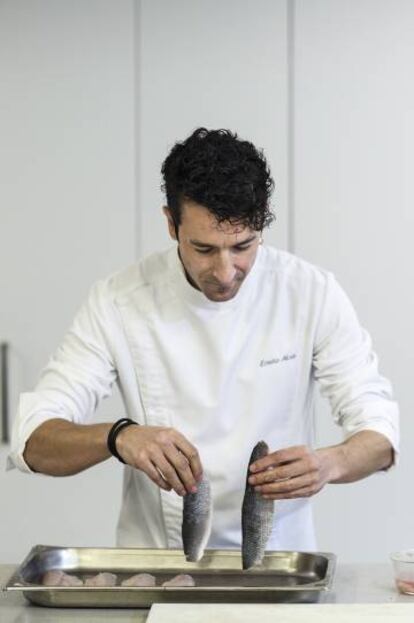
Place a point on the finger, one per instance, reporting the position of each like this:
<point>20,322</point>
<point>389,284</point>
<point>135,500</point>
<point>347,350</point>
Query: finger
<point>153,473</point>
<point>279,457</point>
<point>283,472</point>
<point>191,454</point>
<point>182,467</point>
<point>169,473</point>
<point>289,486</point>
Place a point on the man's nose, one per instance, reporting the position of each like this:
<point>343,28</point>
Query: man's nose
<point>224,270</point>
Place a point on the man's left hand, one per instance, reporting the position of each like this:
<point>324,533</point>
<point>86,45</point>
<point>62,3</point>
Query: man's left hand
<point>299,471</point>
<point>295,472</point>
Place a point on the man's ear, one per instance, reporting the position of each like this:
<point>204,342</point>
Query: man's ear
<point>170,221</point>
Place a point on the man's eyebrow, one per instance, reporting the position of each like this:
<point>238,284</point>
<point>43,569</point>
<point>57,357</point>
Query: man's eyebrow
<point>198,243</point>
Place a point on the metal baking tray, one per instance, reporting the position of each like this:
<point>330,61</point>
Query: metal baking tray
<point>284,576</point>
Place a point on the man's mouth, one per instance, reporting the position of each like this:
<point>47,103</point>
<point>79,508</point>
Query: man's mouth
<point>223,289</point>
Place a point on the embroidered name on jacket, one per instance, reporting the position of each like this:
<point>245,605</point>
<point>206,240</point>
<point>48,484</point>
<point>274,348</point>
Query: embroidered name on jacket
<point>269,362</point>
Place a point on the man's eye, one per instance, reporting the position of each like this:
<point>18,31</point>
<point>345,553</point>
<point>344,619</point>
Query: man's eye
<point>203,251</point>
<point>236,249</point>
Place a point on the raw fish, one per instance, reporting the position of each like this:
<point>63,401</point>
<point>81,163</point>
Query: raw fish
<point>71,580</point>
<point>57,577</point>
<point>196,524</point>
<point>102,579</point>
<point>257,517</point>
<point>180,580</point>
<point>140,579</point>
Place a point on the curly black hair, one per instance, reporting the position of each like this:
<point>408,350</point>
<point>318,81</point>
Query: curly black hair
<point>228,176</point>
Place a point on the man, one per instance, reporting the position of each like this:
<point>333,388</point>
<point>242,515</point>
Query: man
<point>215,345</point>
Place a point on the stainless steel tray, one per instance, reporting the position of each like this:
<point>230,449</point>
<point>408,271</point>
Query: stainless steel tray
<point>283,577</point>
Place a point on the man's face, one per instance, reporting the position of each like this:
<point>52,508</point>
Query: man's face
<point>217,257</point>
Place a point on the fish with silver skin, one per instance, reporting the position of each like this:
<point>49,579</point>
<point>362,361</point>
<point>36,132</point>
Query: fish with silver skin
<point>197,519</point>
<point>257,517</point>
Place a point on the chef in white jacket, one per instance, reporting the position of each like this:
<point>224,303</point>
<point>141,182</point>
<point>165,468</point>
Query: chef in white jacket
<point>215,344</point>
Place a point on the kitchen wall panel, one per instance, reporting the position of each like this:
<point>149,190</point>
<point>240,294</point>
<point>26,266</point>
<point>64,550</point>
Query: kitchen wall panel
<point>93,96</point>
<point>67,211</point>
<point>353,118</point>
<point>213,64</point>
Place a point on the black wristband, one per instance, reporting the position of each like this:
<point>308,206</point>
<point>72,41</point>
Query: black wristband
<point>113,434</point>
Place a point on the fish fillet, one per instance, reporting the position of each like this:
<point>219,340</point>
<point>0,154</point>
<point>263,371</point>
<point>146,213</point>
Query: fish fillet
<point>257,517</point>
<point>140,579</point>
<point>101,579</point>
<point>197,518</point>
<point>180,580</point>
<point>57,577</point>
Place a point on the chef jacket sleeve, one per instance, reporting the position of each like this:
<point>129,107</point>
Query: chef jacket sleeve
<point>347,370</point>
<point>77,377</point>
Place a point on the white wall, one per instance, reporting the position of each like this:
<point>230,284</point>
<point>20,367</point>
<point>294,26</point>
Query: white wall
<point>94,93</point>
<point>354,192</point>
<point>80,79</point>
<point>213,64</point>
<point>67,209</point>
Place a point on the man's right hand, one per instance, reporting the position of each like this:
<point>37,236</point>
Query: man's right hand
<point>164,454</point>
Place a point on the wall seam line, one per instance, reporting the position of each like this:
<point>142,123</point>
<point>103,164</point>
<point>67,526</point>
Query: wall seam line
<point>137,15</point>
<point>291,125</point>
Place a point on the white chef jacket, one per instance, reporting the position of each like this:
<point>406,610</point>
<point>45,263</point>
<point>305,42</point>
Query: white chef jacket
<point>224,374</point>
